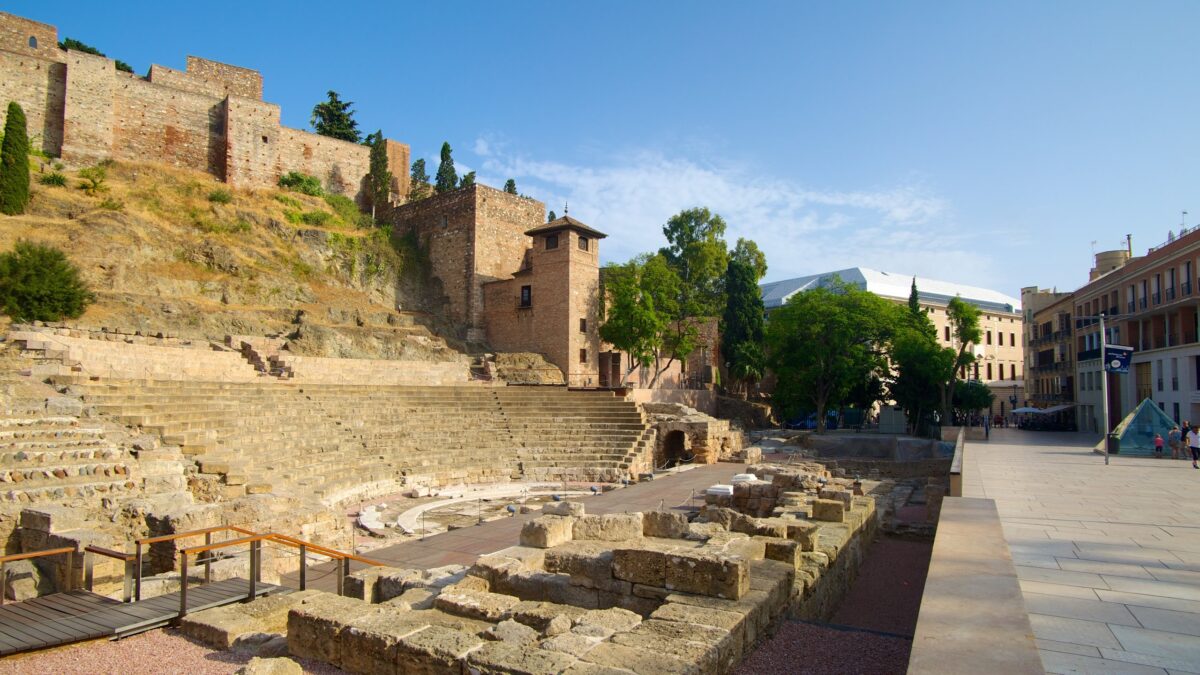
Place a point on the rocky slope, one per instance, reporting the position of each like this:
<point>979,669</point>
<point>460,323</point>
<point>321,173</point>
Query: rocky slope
<point>179,252</point>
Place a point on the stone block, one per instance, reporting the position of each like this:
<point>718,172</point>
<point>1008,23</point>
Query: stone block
<point>829,510</point>
<point>803,532</point>
<point>720,515</point>
<point>615,620</point>
<point>503,657</point>
<point>414,599</point>
<point>475,604</point>
<point>524,585</point>
<point>572,643</point>
<point>784,550</point>
<point>53,518</point>
<point>221,627</point>
<point>640,661</point>
<point>585,668</point>
<point>547,531</point>
<point>362,584</point>
<point>593,565</point>
<point>699,646</point>
<point>434,651</point>
<point>691,615</point>
<point>575,509</point>
<point>512,632</point>
<point>557,588</point>
<point>609,527</point>
<point>368,642</point>
<point>391,582</point>
<point>708,575</point>
<point>270,666</point>
<point>640,566</point>
<point>547,618</point>
<point>664,524</point>
<point>314,625</point>
<point>704,531</point>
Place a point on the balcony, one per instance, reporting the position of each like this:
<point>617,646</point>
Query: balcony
<point>1141,303</point>
<point>1174,384</point>
<point>1185,288</point>
<point>1156,298</point>
<point>1131,307</point>
<point>1088,355</point>
<point>1170,294</point>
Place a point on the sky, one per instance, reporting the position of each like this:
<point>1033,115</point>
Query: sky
<point>996,144</point>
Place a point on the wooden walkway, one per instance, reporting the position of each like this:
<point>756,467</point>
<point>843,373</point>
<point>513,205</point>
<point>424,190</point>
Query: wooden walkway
<point>73,616</point>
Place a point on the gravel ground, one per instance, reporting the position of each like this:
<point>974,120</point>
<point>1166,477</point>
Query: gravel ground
<point>886,595</point>
<point>151,653</point>
<point>809,648</point>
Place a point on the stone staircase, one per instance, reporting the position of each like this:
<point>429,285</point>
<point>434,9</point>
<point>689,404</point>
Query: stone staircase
<point>336,440</point>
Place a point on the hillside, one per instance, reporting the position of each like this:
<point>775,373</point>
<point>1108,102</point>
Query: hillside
<point>176,251</point>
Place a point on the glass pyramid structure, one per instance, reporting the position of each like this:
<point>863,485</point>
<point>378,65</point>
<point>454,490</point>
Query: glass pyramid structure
<point>1138,428</point>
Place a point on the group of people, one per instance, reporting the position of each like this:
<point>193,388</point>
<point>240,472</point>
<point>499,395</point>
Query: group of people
<point>1177,440</point>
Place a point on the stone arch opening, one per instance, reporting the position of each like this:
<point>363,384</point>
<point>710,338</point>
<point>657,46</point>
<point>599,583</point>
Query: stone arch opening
<point>675,448</point>
<point>33,42</point>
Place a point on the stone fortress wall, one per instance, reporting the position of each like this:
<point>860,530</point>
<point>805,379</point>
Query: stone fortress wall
<point>210,117</point>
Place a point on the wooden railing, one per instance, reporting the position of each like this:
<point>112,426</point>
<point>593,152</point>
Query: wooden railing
<point>68,550</point>
<point>147,541</point>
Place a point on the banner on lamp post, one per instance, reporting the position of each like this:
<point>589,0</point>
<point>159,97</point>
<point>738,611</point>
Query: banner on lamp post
<point>1116,358</point>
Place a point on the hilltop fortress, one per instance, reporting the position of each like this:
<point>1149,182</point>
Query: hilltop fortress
<point>209,118</point>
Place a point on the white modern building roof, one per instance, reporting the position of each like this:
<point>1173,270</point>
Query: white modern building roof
<point>890,285</point>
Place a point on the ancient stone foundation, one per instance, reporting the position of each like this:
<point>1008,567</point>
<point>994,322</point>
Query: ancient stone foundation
<point>617,593</point>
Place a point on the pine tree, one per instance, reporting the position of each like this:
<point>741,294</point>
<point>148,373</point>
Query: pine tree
<point>335,119</point>
<point>447,179</point>
<point>467,180</point>
<point>550,217</point>
<point>418,187</point>
<point>510,186</point>
<point>379,180</point>
<point>14,163</point>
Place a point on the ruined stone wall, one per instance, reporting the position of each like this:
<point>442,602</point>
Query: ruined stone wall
<point>398,164</point>
<point>341,166</point>
<point>39,85</point>
<point>81,108</point>
<point>444,226</point>
<point>227,80</point>
<point>88,111</point>
<point>252,138</point>
<point>181,128</point>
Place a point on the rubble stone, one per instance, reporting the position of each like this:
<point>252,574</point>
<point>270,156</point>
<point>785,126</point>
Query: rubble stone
<point>609,527</point>
<point>547,531</point>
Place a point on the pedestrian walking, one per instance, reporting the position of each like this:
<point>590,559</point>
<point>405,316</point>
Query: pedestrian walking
<point>1175,441</point>
<point>1158,446</point>
<point>1194,445</point>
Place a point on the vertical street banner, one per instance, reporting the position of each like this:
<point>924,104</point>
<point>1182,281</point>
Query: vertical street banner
<point>1116,358</point>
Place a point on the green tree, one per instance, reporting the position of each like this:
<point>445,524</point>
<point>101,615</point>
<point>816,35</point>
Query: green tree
<point>510,186</point>
<point>72,43</point>
<point>468,180</point>
<point>742,324</point>
<point>822,343</point>
<point>418,186</point>
<point>14,163</point>
<point>919,364</point>
<point>747,253</point>
<point>964,330</point>
<point>379,179</point>
<point>631,322</point>
<point>447,178</point>
<point>38,283</point>
<point>550,217</point>
<point>697,253</point>
<point>914,299</point>
<point>972,396</point>
<point>335,119</point>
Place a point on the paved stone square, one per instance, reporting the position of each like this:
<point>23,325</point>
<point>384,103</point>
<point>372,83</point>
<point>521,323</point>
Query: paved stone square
<point>1108,556</point>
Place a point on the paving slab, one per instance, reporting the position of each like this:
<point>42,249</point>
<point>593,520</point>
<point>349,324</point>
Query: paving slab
<point>1109,565</point>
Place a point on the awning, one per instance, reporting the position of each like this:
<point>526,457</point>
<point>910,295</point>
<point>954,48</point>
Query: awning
<point>1057,408</point>
<point>1027,410</point>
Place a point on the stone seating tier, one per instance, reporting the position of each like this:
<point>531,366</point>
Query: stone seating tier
<point>56,458</point>
<point>325,438</point>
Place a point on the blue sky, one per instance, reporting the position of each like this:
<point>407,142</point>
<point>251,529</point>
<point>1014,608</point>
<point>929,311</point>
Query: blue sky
<point>984,143</point>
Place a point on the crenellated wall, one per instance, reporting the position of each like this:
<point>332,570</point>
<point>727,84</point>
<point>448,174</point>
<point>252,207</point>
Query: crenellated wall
<point>210,117</point>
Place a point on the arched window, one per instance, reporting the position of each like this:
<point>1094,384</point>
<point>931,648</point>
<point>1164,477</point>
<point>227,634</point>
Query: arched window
<point>32,42</point>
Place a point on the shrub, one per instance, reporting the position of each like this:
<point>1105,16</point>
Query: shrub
<point>14,163</point>
<point>220,196</point>
<point>112,204</point>
<point>53,179</point>
<point>344,207</point>
<point>93,179</point>
<point>319,218</point>
<point>289,201</point>
<point>38,283</point>
<point>301,182</point>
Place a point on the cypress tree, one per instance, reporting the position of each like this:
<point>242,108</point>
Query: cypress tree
<point>550,217</point>
<point>14,163</point>
<point>380,178</point>
<point>447,178</point>
<point>418,186</point>
<point>510,186</point>
<point>914,300</point>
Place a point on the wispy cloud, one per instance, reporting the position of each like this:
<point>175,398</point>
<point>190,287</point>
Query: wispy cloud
<point>901,228</point>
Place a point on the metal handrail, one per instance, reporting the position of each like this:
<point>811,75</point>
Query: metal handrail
<point>13,557</point>
<point>127,558</point>
<point>207,532</point>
